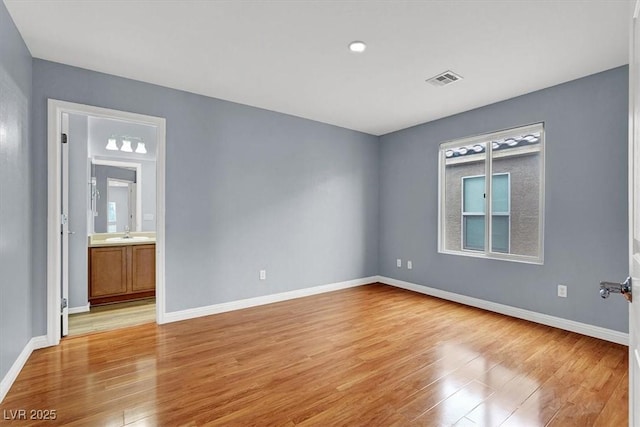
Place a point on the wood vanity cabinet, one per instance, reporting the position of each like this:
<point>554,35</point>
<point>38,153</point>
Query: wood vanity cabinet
<point>121,273</point>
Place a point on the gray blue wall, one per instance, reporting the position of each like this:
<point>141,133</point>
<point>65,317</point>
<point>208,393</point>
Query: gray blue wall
<point>15,194</point>
<point>586,202</point>
<point>247,189</point>
<point>148,175</point>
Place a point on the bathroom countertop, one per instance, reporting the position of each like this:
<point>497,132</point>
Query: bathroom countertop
<point>118,239</point>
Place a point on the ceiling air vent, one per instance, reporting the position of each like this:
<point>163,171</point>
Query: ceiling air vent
<point>444,78</point>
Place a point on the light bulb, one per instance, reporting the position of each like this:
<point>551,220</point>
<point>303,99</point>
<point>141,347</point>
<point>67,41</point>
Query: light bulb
<point>126,146</point>
<point>111,144</point>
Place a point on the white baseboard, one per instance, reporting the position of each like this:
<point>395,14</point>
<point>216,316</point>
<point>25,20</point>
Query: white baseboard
<point>81,309</point>
<point>520,313</point>
<point>33,344</point>
<point>191,313</point>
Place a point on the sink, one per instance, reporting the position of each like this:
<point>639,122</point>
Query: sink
<point>104,239</point>
<point>126,239</point>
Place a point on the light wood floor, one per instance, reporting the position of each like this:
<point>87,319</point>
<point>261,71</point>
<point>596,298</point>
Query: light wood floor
<point>367,356</point>
<point>113,316</point>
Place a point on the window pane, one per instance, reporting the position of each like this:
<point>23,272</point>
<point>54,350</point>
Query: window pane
<point>519,157</point>
<point>460,161</point>
<point>500,233</point>
<point>474,232</point>
<point>111,216</point>
<point>500,189</point>
<point>473,189</point>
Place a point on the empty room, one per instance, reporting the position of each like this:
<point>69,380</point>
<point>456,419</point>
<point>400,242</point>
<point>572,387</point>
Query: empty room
<point>279,213</point>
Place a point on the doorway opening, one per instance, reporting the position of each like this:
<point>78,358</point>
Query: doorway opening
<point>105,219</point>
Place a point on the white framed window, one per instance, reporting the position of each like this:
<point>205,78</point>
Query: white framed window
<point>501,218</point>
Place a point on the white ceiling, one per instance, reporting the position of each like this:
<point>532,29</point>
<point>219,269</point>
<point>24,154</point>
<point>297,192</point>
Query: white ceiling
<point>292,56</point>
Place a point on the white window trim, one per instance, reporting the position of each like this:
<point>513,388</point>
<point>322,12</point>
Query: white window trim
<point>539,260</point>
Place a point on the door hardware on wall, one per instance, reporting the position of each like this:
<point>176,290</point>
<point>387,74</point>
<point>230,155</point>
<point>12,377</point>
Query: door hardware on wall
<point>623,288</point>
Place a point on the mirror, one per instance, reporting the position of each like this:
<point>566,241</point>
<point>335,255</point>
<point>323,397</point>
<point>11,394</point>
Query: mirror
<point>115,197</point>
<point>121,206</point>
<point>122,171</point>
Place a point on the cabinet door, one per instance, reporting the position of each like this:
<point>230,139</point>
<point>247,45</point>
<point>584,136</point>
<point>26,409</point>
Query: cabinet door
<point>143,271</point>
<point>108,271</point>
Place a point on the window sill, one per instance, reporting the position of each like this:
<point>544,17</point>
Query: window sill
<point>504,257</point>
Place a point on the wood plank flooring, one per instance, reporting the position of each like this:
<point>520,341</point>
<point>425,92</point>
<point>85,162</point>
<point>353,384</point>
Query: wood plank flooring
<point>367,356</point>
<point>113,316</point>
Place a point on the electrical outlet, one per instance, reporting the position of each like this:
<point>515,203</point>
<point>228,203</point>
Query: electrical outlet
<point>562,291</point>
<point>409,265</point>
<point>399,263</point>
<point>263,274</point>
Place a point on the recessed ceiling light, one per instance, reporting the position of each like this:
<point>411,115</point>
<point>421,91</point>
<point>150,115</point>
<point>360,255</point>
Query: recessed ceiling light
<point>357,46</point>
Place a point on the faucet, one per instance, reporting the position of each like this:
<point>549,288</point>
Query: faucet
<point>126,232</point>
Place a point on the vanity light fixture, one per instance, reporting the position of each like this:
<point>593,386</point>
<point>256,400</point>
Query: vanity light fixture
<point>126,146</point>
<point>357,46</point>
<point>141,149</point>
<point>111,144</point>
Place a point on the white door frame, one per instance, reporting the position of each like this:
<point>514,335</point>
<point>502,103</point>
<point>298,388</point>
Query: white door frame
<point>55,110</point>
<point>65,225</point>
<point>634,207</point>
